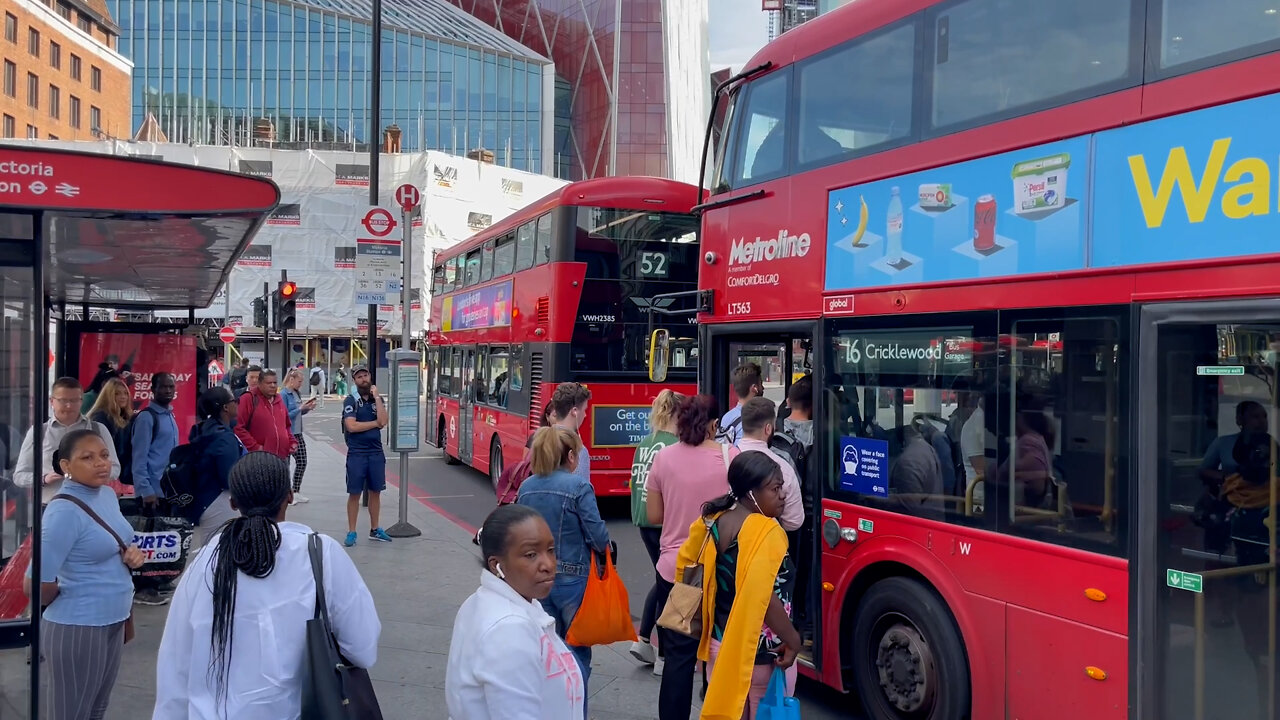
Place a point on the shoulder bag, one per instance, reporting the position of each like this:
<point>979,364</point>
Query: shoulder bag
<point>128,623</point>
<point>333,688</point>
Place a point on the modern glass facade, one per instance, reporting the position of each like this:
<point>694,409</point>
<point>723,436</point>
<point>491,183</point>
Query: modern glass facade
<point>209,69</point>
<point>634,72</point>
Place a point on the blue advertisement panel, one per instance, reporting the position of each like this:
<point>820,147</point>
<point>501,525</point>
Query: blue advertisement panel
<point>1010,214</point>
<point>1193,186</point>
<point>486,307</point>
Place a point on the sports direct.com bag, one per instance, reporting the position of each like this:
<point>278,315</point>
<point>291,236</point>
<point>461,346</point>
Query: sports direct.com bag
<point>165,541</point>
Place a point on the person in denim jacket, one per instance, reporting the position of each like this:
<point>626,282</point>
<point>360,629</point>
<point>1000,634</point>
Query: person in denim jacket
<point>568,504</point>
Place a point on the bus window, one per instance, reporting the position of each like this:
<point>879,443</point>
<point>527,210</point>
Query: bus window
<point>991,56</point>
<point>544,239</point>
<point>525,246</point>
<point>1192,32</point>
<point>498,378</point>
<point>444,380</point>
<point>451,274</point>
<point>471,272</point>
<point>760,132</point>
<point>504,256</point>
<point>1061,475</point>
<point>837,118</point>
<point>486,262</point>
<point>437,279</point>
<point>903,438</point>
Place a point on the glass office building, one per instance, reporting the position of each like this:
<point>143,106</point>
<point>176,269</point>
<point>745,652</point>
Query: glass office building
<point>210,70</point>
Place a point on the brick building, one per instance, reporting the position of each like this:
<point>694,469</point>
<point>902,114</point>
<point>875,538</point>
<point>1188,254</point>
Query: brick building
<point>61,76</point>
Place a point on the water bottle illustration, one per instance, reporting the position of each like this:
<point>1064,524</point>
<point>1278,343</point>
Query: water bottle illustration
<point>893,230</point>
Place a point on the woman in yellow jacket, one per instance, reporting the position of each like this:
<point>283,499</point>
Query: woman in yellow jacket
<point>747,585</point>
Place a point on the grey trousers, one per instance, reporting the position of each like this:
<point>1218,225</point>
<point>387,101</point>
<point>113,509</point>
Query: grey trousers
<point>82,663</point>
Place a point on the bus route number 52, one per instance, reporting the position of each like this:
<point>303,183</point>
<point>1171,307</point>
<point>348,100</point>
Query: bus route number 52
<point>654,264</point>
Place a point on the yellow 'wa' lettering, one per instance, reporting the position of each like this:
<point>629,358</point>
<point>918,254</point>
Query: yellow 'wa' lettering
<point>1250,193</point>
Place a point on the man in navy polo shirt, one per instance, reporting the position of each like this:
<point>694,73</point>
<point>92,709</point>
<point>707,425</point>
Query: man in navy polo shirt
<point>363,417</point>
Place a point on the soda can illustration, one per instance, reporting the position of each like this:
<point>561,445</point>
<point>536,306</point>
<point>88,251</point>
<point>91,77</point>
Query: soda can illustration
<point>984,223</point>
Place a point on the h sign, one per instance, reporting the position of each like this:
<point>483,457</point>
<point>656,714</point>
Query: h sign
<point>407,196</point>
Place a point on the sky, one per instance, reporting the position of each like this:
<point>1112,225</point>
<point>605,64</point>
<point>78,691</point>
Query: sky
<point>736,30</point>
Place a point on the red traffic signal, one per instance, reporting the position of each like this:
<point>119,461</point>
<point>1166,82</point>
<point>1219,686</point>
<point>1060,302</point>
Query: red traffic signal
<point>288,289</point>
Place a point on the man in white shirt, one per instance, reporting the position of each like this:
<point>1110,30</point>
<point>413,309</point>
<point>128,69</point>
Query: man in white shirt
<point>67,395</point>
<point>318,382</point>
<point>759,415</point>
<point>747,383</point>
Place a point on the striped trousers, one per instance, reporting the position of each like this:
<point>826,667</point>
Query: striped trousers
<point>299,462</point>
<point>82,662</point>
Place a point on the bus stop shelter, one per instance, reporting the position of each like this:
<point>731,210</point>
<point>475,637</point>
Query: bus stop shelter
<point>94,231</point>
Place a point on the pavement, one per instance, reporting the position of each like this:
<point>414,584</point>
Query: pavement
<point>417,584</point>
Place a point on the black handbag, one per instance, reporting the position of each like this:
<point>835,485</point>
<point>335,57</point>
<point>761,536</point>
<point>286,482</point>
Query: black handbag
<point>333,689</point>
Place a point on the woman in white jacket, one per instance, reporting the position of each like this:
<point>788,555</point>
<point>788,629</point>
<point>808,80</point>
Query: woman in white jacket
<point>505,659</point>
<point>235,641</point>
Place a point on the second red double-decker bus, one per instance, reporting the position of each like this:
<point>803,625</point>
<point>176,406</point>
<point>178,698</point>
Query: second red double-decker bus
<point>557,292</point>
<point>1029,252</point>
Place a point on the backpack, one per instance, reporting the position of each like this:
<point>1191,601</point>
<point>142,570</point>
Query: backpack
<point>126,446</point>
<point>315,378</point>
<point>786,446</point>
<point>509,481</point>
<point>183,474</point>
<point>724,435</point>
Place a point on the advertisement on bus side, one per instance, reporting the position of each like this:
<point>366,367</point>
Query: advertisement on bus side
<point>481,308</point>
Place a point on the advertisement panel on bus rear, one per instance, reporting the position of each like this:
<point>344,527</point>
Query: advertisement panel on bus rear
<point>481,308</point>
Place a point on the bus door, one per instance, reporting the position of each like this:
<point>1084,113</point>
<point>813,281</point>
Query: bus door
<point>1207,583</point>
<point>783,352</point>
<point>466,404</point>
<point>432,378</point>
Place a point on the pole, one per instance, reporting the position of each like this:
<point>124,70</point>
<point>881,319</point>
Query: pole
<point>266,326</point>
<point>226,347</point>
<point>375,130</point>
<point>284,335</point>
<point>403,528</point>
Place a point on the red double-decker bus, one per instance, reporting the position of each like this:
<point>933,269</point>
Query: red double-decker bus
<point>1028,251</point>
<point>557,292</point>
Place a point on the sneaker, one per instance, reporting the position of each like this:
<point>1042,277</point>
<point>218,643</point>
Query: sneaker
<point>150,597</point>
<point>300,499</point>
<point>657,666</point>
<point>643,652</point>
<point>351,539</point>
<point>380,535</point>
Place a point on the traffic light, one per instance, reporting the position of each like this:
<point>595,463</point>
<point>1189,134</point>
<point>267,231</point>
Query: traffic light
<point>260,312</point>
<point>287,306</point>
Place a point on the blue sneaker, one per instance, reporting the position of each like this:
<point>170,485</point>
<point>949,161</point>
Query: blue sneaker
<point>380,535</point>
<point>351,540</point>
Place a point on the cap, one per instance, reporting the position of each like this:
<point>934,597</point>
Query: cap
<point>355,369</point>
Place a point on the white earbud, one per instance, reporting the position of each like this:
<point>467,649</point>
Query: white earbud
<point>501,575</point>
<point>752,495</point>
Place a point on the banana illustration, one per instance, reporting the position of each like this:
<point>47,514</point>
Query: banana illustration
<point>862,223</point>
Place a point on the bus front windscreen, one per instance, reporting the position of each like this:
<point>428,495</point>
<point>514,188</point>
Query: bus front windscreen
<point>631,257</point>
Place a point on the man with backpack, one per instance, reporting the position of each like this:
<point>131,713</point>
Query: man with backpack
<point>746,382</point>
<point>238,379</point>
<point>759,416</point>
<point>150,438</point>
<point>317,382</point>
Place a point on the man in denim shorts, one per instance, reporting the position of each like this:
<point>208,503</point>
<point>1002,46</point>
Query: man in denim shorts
<point>364,415</point>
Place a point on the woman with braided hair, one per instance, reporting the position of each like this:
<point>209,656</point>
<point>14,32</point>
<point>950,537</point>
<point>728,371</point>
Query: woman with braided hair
<point>235,641</point>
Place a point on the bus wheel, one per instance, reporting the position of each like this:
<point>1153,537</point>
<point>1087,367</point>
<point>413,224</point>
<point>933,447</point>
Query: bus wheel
<point>908,659</point>
<point>444,448</point>
<point>495,463</point>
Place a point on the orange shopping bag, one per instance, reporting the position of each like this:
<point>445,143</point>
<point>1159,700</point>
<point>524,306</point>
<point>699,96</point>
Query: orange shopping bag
<point>14,602</point>
<point>604,616</point>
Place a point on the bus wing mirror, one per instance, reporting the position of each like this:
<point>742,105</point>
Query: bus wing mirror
<point>659,352</point>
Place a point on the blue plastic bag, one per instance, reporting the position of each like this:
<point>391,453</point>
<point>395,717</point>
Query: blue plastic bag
<point>775,705</point>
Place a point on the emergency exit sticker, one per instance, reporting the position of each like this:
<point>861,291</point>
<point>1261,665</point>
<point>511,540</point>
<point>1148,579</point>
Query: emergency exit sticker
<point>1179,580</point>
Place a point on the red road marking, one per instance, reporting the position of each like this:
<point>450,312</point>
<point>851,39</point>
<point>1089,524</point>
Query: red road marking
<point>393,479</point>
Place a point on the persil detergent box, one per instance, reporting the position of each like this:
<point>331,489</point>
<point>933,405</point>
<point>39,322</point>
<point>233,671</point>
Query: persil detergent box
<point>1040,184</point>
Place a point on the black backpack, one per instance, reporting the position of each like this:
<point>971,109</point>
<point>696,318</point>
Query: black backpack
<point>786,446</point>
<point>182,476</point>
<point>315,378</point>
<point>126,446</point>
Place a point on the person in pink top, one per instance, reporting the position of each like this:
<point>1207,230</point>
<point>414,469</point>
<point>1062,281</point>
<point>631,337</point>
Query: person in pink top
<point>683,477</point>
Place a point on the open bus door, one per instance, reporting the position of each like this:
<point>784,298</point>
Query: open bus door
<point>784,353</point>
<point>466,404</point>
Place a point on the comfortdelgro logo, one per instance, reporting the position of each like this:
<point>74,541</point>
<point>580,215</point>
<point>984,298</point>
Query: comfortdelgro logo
<point>745,252</point>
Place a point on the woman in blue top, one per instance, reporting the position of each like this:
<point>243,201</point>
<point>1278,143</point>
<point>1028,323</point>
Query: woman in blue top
<point>220,450</point>
<point>568,503</point>
<point>84,581</point>
<point>297,407</point>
